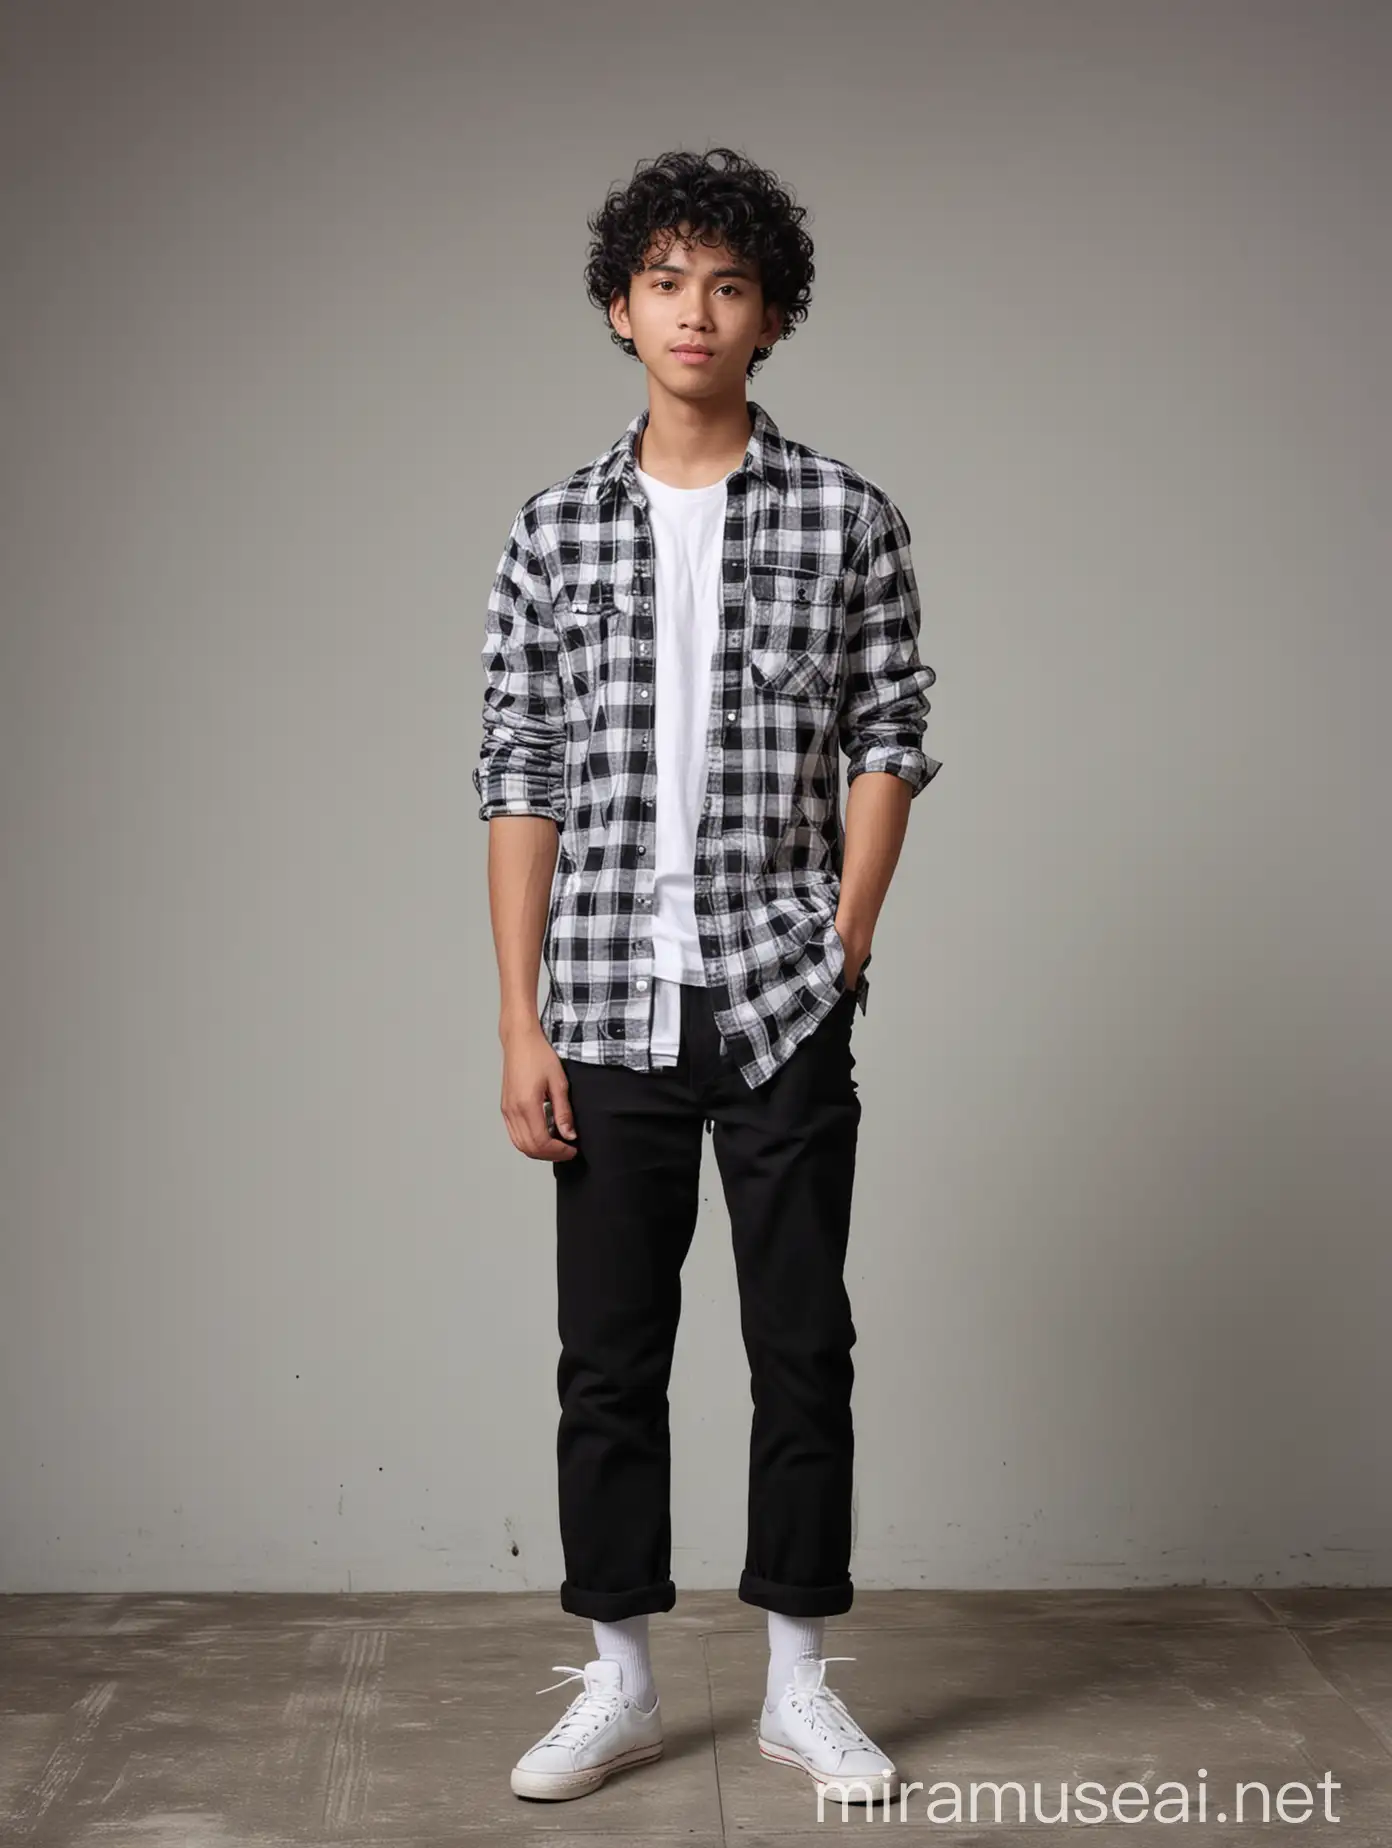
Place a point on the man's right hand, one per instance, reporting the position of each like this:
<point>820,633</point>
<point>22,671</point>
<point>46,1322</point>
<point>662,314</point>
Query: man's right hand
<point>532,1073</point>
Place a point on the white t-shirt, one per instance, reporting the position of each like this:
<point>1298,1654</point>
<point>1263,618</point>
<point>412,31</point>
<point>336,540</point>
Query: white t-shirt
<point>688,527</point>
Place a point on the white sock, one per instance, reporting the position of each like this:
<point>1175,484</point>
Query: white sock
<point>627,1643</point>
<point>789,1639</point>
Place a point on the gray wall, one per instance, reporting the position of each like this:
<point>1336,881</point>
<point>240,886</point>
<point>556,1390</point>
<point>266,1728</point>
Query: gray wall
<point>292,323</point>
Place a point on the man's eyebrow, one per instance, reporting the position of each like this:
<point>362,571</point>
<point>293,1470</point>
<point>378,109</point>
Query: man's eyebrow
<point>680,269</point>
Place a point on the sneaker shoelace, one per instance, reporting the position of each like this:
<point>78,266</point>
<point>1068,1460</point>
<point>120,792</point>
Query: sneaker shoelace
<point>590,1709</point>
<point>829,1715</point>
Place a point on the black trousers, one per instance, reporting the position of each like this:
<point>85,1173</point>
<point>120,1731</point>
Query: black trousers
<point>626,1213</point>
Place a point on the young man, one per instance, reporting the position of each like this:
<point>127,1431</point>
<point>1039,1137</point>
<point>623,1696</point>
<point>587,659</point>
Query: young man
<point>681,636</point>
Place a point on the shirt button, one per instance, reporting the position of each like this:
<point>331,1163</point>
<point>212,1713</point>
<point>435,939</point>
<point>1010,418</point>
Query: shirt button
<point>642,981</point>
<point>641,848</point>
<point>643,694</point>
<point>729,715</point>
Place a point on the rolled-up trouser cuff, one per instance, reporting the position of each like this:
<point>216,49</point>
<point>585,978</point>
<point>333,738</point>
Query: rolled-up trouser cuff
<point>797,1600</point>
<point>613,1606</point>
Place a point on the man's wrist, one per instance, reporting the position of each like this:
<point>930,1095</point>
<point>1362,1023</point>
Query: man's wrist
<point>854,932</point>
<point>518,1023</point>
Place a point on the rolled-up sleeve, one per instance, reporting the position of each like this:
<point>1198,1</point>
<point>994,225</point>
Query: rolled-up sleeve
<point>521,762</point>
<point>884,710</point>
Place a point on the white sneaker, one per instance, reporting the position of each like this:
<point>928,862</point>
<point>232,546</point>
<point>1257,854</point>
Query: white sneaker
<point>811,1730</point>
<point>599,1732</point>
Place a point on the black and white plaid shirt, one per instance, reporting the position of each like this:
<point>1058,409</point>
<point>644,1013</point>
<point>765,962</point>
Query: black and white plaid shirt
<point>818,651</point>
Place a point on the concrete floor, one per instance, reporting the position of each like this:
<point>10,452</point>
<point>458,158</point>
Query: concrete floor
<point>219,1722</point>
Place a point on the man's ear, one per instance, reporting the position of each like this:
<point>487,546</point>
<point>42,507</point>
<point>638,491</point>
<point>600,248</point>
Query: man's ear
<point>618,305</point>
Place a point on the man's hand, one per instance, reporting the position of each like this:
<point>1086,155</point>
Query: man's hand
<point>532,1073</point>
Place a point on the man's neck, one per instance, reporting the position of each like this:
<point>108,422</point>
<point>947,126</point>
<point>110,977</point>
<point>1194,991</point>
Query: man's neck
<point>693,445</point>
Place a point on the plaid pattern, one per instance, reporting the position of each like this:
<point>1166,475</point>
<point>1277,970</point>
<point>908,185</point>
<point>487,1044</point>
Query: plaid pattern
<point>818,652</point>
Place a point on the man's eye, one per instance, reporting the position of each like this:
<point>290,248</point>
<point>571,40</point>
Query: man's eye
<point>666,282</point>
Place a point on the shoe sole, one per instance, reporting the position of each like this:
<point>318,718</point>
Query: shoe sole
<point>785,1755</point>
<point>556,1786</point>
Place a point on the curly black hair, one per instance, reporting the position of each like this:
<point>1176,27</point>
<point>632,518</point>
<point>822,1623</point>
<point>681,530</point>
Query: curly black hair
<point>740,205</point>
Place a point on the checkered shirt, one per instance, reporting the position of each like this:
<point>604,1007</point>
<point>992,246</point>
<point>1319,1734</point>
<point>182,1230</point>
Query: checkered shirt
<point>818,652</point>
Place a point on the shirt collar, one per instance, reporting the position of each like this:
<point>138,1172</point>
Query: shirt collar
<point>765,457</point>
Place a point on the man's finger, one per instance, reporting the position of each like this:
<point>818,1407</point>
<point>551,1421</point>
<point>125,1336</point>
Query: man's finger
<point>529,1126</point>
<point>557,1111</point>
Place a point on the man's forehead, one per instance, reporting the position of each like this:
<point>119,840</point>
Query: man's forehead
<point>669,251</point>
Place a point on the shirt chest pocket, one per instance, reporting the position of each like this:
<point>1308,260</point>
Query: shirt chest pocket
<point>590,624</point>
<point>794,632</point>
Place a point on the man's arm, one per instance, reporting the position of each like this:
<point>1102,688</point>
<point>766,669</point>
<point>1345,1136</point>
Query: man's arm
<point>521,867</point>
<point>520,779</point>
<point>877,818</point>
<point>884,714</point>
<point>521,764</point>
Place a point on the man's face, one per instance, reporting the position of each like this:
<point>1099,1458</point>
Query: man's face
<point>695,296</point>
